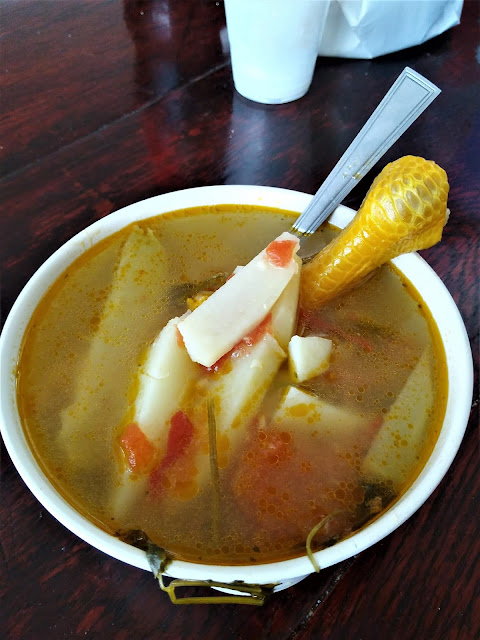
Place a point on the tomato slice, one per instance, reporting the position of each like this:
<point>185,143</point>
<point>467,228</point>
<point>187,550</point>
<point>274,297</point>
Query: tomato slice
<point>138,449</point>
<point>179,438</point>
<point>280,252</point>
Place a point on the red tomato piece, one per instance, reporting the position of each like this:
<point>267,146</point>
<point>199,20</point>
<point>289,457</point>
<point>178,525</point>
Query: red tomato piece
<point>138,449</point>
<point>280,252</point>
<point>179,438</point>
<point>286,489</point>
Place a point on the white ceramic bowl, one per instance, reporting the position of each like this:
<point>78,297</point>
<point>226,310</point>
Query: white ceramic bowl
<point>286,573</point>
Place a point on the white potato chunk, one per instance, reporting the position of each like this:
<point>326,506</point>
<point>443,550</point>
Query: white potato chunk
<point>237,307</point>
<point>302,411</point>
<point>165,379</point>
<point>107,365</point>
<point>395,449</point>
<point>126,493</point>
<point>284,311</point>
<point>308,357</point>
<point>238,393</point>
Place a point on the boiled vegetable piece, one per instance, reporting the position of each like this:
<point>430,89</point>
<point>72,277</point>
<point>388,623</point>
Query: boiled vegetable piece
<point>126,493</point>
<point>164,380</point>
<point>302,411</point>
<point>284,311</point>
<point>199,298</point>
<point>240,304</point>
<point>395,449</point>
<point>178,451</point>
<point>139,451</point>
<point>111,354</point>
<point>238,393</point>
<point>308,356</point>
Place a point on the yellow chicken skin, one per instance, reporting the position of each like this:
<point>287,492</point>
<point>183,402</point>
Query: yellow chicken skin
<point>404,210</point>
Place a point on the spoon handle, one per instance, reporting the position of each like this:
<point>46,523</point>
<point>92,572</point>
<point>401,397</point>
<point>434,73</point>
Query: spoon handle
<point>407,98</point>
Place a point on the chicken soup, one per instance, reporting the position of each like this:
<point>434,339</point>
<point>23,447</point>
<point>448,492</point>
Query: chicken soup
<point>170,382</point>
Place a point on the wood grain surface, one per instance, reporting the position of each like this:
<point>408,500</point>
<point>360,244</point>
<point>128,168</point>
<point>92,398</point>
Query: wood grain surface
<point>106,103</point>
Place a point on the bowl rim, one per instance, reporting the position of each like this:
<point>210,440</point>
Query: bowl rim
<point>416,270</point>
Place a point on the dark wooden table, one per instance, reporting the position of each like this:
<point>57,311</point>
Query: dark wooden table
<point>108,102</point>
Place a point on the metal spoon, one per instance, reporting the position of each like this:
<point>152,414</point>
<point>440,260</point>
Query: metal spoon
<point>407,98</point>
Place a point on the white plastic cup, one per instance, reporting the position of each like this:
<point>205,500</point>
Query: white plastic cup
<point>274,46</point>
